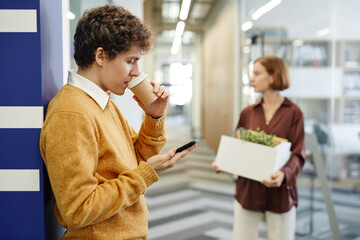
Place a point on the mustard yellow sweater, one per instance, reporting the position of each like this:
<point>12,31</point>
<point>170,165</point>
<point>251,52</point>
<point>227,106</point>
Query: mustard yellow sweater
<point>96,165</point>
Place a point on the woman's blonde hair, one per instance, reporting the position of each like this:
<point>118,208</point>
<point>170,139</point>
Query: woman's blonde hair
<point>276,67</point>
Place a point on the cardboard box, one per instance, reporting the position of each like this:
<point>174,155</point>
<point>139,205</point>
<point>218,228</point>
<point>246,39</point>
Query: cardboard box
<point>251,160</point>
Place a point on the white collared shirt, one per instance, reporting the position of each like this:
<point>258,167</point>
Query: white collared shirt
<point>99,95</point>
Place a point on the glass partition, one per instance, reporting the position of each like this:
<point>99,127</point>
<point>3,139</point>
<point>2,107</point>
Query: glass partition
<point>320,42</point>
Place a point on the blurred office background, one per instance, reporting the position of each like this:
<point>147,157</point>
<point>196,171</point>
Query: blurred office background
<point>204,53</point>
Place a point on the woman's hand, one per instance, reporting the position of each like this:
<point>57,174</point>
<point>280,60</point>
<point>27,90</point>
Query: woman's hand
<point>275,180</point>
<point>158,107</point>
<point>215,166</point>
<point>162,162</point>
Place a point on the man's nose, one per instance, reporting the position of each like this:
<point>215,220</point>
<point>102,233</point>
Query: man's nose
<point>135,70</point>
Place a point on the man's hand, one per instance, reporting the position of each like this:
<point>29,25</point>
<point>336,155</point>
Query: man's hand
<point>275,180</point>
<point>158,107</point>
<point>162,162</point>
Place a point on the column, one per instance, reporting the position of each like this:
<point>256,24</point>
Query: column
<point>31,72</point>
<point>21,117</point>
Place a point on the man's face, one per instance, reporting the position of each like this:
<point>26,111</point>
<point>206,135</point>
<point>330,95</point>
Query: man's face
<point>118,72</point>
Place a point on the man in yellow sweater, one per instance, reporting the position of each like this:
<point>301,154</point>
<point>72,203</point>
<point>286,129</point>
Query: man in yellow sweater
<point>99,166</point>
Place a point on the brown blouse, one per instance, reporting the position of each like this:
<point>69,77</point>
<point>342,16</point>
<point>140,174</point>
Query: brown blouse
<point>287,122</point>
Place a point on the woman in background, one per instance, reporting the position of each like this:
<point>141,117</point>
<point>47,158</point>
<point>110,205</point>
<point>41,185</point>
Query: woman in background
<point>274,199</point>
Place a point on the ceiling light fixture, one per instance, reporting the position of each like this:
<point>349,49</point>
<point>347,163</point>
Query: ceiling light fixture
<point>248,41</point>
<point>184,11</point>
<point>323,32</point>
<point>180,26</point>
<point>264,9</point>
<point>176,45</point>
<point>298,43</point>
<point>246,26</point>
<point>70,15</point>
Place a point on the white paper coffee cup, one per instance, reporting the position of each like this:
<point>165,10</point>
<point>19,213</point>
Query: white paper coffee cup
<point>142,89</point>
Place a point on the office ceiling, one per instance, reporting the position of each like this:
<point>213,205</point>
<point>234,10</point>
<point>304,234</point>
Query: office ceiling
<point>163,15</point>
<point>166,12</point>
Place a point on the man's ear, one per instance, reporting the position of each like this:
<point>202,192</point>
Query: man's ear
<point>100,56</point>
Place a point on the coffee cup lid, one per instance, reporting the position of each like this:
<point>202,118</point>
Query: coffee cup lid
<point>135,81</point>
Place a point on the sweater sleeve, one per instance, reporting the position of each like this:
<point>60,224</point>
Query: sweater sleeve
<point>294,166</point>
<point>151,138</point>
<point>68,145</point>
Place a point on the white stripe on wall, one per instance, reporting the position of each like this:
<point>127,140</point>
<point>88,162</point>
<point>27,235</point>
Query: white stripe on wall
<point>21,117</point>
<point>19,180</point>
<point>18,20</point>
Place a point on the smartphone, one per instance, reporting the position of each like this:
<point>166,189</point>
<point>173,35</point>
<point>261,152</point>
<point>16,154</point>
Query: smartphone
<point>189,144</point>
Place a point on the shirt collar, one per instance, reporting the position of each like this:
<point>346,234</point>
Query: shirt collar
<point>93,90</point>
<point>285,103</point>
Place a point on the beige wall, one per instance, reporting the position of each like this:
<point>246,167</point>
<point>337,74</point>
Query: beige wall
<point>218,56</point>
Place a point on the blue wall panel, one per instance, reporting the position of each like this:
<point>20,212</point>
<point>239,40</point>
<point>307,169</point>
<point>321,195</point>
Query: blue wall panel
<point>22,216</point>
<point>19,4</point>
<point>22,213</point>
<point>20,73</point>
<point>19,149</point>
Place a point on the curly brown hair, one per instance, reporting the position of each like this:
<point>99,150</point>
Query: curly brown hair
<point>111,27</point>
<point>276,66</point>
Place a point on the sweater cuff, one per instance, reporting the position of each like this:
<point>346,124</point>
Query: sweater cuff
<point>147,173</point>
<point>154,126</point>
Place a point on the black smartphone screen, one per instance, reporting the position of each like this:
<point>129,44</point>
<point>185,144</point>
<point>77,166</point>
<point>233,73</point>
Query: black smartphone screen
<point>189,144</point>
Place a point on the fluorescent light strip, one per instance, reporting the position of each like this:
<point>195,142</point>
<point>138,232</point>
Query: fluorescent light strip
<point>21,117</point>
<point>184,11</point>
<point>176,45</point>
<point>180,26</point>
<point>246,26</point>
<point>323,32</point>
<point>298,43</point>
<point>264,9</point>
<point>70,15</point>
<point>20,180</point>
<point>18,20</point>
